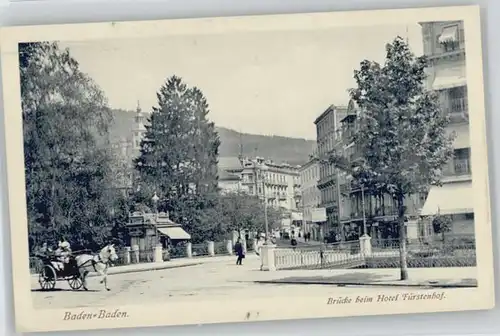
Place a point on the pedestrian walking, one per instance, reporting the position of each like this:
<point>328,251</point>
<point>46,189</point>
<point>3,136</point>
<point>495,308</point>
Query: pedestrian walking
<point>238,249</point>
<point>260,242</point>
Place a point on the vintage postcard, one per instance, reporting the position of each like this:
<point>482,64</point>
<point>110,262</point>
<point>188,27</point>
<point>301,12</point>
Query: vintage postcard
<point>234,169</point>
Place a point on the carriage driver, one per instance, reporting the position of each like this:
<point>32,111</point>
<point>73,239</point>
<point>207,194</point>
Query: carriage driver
<point>63,253</point>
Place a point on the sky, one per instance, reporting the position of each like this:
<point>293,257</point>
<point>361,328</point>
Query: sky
<point>270,83</point>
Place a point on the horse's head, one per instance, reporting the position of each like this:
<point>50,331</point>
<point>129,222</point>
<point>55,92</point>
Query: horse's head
<point>109,253</point>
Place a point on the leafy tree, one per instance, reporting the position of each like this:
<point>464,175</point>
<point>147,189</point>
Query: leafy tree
<point>401,137</point>
<point>65,119</point>
<point>178,158</point>
<point>121,208</point>
<point>442,224</point>
<point>242,211</point>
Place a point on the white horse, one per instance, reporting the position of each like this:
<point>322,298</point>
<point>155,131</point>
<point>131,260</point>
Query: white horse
<point>97,263</point>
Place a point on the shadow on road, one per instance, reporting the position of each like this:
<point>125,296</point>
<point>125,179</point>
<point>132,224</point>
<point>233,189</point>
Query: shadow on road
<point>62,290</point>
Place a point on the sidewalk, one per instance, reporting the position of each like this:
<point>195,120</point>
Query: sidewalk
<point>418,277</point>
<point>152,266</point>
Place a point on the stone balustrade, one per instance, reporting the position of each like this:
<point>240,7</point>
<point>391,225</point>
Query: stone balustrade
<point>132,254</point>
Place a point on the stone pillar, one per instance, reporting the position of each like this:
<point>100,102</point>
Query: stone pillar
<point>158,253</point>
<point>267,258</point>
<point>135,253</point>
<point>189,250</point>
<point>365,245</point>
<point>412,230</point>
<point>229,247</point>
<point>211,248</point>
<point>126,255</point>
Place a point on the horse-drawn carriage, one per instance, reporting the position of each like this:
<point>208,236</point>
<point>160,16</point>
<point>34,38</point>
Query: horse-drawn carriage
<point>75,271</point>
<point>53,270</point>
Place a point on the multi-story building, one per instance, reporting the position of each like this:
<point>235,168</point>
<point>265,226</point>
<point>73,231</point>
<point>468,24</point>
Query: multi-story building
<point>327,126</point>
<point>444,45</point>
<point>230,171</point>
<point>311,196</point>
<point>277,184</point>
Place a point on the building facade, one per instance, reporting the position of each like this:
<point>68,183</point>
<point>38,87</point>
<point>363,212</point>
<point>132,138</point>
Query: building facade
<point>278,184</point>
<point>444,45</point>
<point>311,196</point>
<point>230,171</point>
<point>327,135</point>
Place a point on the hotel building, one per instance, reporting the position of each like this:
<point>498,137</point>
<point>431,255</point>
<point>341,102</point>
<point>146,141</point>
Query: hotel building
<point>444,45</point>
<point>278,184</point>
<point>311,196</point>
<point>327,126</point>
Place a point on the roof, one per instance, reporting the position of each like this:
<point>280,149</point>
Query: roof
<point>312,161</point>
<point>226,176</point>
<point>330,109</point>
<point>229,162</point>
<point>339,109</point>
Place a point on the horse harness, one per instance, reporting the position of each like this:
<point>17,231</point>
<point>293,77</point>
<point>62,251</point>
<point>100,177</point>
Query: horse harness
<point>95,262</point>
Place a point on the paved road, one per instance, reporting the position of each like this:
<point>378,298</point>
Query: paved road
<point>208,281</point>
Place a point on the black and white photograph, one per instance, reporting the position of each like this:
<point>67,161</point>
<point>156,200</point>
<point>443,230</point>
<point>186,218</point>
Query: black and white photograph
<point>218,164</point>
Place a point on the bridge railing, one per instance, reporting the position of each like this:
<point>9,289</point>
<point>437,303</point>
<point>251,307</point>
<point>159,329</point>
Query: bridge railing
<point>446,253</point>
<point>383,254</point>
<point>337,255</point>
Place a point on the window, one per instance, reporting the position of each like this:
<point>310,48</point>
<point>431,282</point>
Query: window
<point>450,46</point>
<point>449,39</point>
<point>461,161</point>
<point>461,36</point>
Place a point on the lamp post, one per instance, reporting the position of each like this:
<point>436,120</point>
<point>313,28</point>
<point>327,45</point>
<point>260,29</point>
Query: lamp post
<point>155,200</point>
<point>363,205</point>
<point>262,169</point>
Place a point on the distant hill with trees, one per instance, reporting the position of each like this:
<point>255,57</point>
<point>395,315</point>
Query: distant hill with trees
<point>294,151</point>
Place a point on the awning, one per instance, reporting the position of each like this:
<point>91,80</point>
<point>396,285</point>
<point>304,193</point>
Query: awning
<point>450,76</point>
<point>451,198</point>
<point>175,232</point>
<point>296,216</point>
<point>448,82</point>
<point>449,34</point>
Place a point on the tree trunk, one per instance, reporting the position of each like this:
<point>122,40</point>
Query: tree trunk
<point>52,206</point>
<point>402,238</point>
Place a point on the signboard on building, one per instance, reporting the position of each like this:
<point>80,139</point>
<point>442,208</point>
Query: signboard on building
<point>318,215</point>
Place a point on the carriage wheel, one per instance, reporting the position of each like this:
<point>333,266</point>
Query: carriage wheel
<point>47,277</point>
<point>75,282</point>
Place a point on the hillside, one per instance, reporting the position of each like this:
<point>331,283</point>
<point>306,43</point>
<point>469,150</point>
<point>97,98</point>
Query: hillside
<point>279,149</point>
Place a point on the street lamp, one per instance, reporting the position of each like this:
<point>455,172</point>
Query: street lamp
<point>155,200</point>
<point>363,205</point>
<point>262,169</point>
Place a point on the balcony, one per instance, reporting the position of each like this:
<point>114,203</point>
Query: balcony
<point>386,211</point>
<point>457,109</point>
<point>458,167</point>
